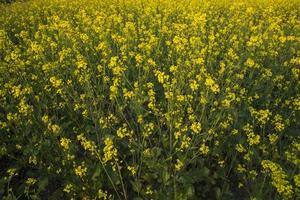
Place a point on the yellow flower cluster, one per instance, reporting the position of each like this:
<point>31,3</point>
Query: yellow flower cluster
<point>132,169</point>
<point>212,85</point>
<point>262,116</point>
<point>179,165</point>
<point>278,176</point>
<point>68,188</point>
<point>278,123</point>
<point>31,181</point>
<point>110,152</point>
<point>80,170</point>
<point>204,149</point>
<point>65,143</point>
<point>102,194</point>
<point>88,145</point>
<point>151,94</point>
<point>292,154</point>
<point>54,128</point>
<point>124,132</point>
<point>252,138</point>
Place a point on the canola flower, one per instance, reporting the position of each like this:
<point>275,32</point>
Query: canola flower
<point>65,143</point>
<point>80,170</point>
<point>110,152</point>
<point>144,99</point>
<point>278,178</point>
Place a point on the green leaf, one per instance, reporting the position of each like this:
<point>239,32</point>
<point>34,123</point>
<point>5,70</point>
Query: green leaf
<point>96,173</point>
<point>42,184</point>
<point>218,193</point>
<point>190,191</point>
<point>165,176</point>
<point>194,175</point>
<point>137,186</point>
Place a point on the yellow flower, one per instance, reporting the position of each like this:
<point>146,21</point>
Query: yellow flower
<point>102,194</point>
<point>81,170</point>
<point>127,94</point>
<point>148,129</point>
<point>33,160</point>
<point>222,68</point>
<point>16,90</point>
<point>241,169</point>
<point>110,152</point>
<point>140,119</point>
<point>54,128</point>
<point>240,185</point>
<point>261,116</point>
<point>24,108</point>
<point>185,143</point>
<point>124,132</point>
<point>132,169</point>
<point>196,127</point>
<point>114,89</point>
<point>273,138</point>
<point>253,139</point>
<point>173,69</point>
<point>12,172</point>
<point>81,64</point>
<point>253,174</point>
<point>278,178</point>
<point>278,123</point>
<point>65,143</point>
<point>87,144</point>
<point>161,76</point>
<point>168,95</point>
<point>193,85</point>
<point>151,94</point>
<point>180,98</point>
<point>31,181</point>
<point>45,119</point>
<point>240,148</point>
<point>56,83</point>
<point>212,85</point>
<point>204,149</point>
<point>250,63</point>
<point>221,163</point>
<point>68,188</point>
<point>149,191</point>
<point>178,165</point>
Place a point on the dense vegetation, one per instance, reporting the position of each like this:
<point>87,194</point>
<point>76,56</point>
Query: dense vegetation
<point>168,99</point>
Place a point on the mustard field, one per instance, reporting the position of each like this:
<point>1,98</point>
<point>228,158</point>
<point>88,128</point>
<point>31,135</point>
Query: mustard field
<point>150,99</point>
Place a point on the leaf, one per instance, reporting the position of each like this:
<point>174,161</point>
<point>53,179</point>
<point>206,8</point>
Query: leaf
<point>9,197</point>
<point>42,184</point>
<point>190,191</point>
<point>57,194</point>
<point>165,176</point>
<point>157,151</point>
<point>96,173</point>
<point>137,186</point>
<point>194,175</point>
<point>218,193</point>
